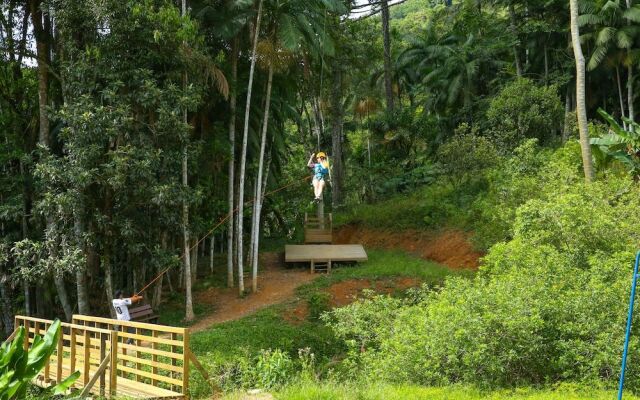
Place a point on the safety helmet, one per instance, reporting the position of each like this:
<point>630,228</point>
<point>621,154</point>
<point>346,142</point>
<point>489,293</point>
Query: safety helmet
<point>321,154</point>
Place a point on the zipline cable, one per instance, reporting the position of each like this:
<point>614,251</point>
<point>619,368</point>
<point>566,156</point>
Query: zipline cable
<point>222,221</point>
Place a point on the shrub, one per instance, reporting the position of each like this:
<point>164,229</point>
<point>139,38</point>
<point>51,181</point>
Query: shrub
<point>467,154</point>
<point>524,110</point>
<point>548,304</point>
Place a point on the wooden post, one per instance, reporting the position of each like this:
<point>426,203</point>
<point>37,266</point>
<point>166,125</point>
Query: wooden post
<point>174,362</point>
<point>154,358</point>
<point>113,373</point>
<point>103,356</point>
<point>328,267</point>
<point>26,336</point>
<point>138,365</point>
<point>185,362</point>
<point>72,345</point>
<point>313,266</point>
<point>60,358</point>
<point>87,357</point>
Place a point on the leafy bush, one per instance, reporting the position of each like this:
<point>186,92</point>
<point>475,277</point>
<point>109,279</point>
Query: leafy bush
<point>524,110</point>
<point>549,302</point>
<point>18,367</point>
<point>467,154</point>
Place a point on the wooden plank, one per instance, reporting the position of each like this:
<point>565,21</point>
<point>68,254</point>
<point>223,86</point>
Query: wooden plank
<point>59,359</point>
<point>103,356</point>
<point>146,374</point>
<point>174,361</point>
<point>151,363</point>
<point>185,364</point>
<point>149,350</point>
<point>138,365</point>
<point>87,355</point>
<point>72,344</point>
<point>325,252</point>
<point>113,373</point>
<point>154,358</point>
<point>151,339</point>
<point>142,325</point>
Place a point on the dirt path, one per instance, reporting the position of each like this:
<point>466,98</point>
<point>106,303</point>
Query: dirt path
<point>276,284</point>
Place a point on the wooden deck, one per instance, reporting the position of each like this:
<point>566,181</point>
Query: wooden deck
<point>324,253</point>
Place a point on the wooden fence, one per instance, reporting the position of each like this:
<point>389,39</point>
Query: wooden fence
<point>130,359</point>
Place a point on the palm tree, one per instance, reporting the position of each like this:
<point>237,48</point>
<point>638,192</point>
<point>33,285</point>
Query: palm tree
<point>581,108</point>
<point>448,65</point>
<point>614,38</point>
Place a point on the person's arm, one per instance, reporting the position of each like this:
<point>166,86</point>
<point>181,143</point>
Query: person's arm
<point>311,164</point>
<point>135,298</point>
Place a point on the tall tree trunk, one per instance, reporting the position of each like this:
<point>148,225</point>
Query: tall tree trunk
<point>25,231</point>
<point>243,159</point>
<point>258,203</point>
<point>386,40</point>
<point>514,33</point>
<point>546,64</point>
<point>630,94</point>
<point>581,108</point>
<point>81,274</point>
<point>211,251</point>
<point>232,159</point>
<point>42,49</point>
<point>336,139</point>
<point>194,261</point>
<point>62,295</point>
<point>567,115</point>
<point>108,276</point>
<point>5,300</point>
<point>157,290</point>
<point>189,315</point>
<point>620,97</point>
<point>44,132</point>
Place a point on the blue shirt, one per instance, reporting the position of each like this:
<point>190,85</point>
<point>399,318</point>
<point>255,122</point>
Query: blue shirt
<point>319,171</point>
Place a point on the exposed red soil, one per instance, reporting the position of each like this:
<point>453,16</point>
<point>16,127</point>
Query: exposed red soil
<point>346,292</point>
<point>449,247</point>
<point>276,284</point>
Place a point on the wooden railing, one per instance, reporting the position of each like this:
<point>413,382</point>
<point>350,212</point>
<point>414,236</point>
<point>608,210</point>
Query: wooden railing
<point>153,354</point>
<point>129,359</point>
<point>89,350</point>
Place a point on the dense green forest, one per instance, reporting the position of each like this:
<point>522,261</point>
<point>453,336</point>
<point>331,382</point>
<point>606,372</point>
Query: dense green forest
<point>166,142</point>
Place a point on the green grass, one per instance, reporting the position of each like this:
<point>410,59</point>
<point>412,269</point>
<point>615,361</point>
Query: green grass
<point>266,329</point>
<point>331,391</point>
<point>385,264</point>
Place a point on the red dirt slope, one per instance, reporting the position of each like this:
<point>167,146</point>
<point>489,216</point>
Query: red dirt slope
<point>449,247</point>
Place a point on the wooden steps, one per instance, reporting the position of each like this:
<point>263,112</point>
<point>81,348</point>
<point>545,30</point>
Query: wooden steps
<point>317,231</point>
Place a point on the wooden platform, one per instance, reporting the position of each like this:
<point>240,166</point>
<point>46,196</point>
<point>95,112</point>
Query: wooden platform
<point>324,253</point>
